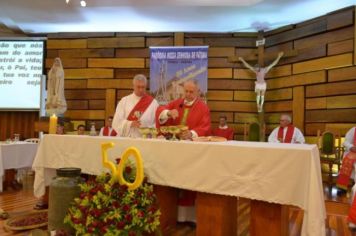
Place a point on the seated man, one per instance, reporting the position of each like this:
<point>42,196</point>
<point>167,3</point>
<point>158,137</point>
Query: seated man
<point>194,113</point>
<point>108,130</point>
<point>286,132</point>
<point>223,130</point>
<point>348,162</point>
<point>81,130</point>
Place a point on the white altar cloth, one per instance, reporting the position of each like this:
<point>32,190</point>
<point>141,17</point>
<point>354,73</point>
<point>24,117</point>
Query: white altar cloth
<point>287,174</point>
<point>15,156</point>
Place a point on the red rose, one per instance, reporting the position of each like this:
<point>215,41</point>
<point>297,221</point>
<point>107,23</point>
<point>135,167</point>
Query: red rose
<point>126,208</point>
<point>128,169</point>
<point>120,225</point>
<point>128,217</point>
<point>131,233</point>
<point>140,214</point>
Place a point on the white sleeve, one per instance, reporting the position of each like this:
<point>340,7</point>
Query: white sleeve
<point>101,131</point>
<point>163,117</point>
<point>299,137</point>
<point>273,137</point>
<point>348,143</point>
<point>119,123</point>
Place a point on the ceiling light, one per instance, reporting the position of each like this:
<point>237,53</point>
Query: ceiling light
<point>83,3</point>
<point>67,1</point>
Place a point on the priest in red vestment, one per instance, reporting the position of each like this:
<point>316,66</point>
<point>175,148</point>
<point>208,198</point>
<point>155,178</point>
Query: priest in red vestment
<point>189,110</point>
<point>135,110</point>
<point>223,130</point>
<point>286,132</point>
<point>108,130</point>
<point>194,113</point>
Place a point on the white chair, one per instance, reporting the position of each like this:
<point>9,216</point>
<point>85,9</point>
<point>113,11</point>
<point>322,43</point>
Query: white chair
<point>32,140</point>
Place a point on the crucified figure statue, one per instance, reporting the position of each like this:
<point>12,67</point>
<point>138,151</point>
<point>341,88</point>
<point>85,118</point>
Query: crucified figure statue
<point>260,83</point>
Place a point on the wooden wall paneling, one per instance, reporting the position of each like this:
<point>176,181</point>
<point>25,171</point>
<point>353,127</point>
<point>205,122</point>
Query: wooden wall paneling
<point>354,28</point>
<point>88,73</point>
<point>223,73</point>
<point>279,106</point>
<point>273,118</point>
<point>179,39</point>
<point>315,103</point>
<point>231,42</point>
<point>298,107</point>
<point>240,117</point>
<point>310,29</point>
<point>220,95</point>
<point>52,53</point>
<point>110,83</point>
<point>241,95</point>
<point>77,104</point>
<point>85,114</point>
<point>97,104</point>
<point>348,101</point>
<point>159,41</point>
<point>297,80</point>
<point>81,94</point>
<point>329,89</point>
<point>325,38</point>
<point>340,19</point>
<point>279,71</point>
<point>342,128</point>
<point>340,47</point>
<point>130,73</point>
<point>216,115</point>
<point>193,41</point>
<point>340,74</point>
<point>85,53</point>
<point>231,84</point>
<point>75,83</point>
<point>331,116</point>
<point>132,52</point>
<point>283,47</point>
<point>219,62</point>
<point>279,94</point>
<point>311,129</point>
<point>244,74</point>
<point>66,43</point>
<point>221,52</point>
<point>68,62</point>
<point>232,106</point>
<point>21,122</point>
<point>116,63</point>
<point>323,63</point>
<point>303,54</point>
<point>118,42</point>
<point>69,35</point>
<point>110,102</point>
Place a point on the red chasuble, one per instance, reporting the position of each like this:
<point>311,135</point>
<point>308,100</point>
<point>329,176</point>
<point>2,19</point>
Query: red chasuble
<point>140,107</point>
<point>289,134</point>
<point>106,131</point>
<point>346,168</point>
<point>196,116</point>
<point>226,133</point>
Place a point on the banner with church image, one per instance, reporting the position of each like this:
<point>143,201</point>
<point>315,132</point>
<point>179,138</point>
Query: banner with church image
<point>170,67</point>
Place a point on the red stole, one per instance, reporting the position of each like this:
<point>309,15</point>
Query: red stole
<point>346,169</point>
<point>106,132</point>
<point>140,108</point>
<point>289,134</point>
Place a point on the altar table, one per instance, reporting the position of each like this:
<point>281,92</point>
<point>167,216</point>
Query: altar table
<point>287,174</point>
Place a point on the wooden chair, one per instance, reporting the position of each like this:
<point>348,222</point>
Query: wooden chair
<point>252,132</point>
<point>330,152</point>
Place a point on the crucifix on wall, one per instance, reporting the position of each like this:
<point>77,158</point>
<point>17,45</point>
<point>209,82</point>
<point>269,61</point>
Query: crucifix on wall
<point>260,70</point>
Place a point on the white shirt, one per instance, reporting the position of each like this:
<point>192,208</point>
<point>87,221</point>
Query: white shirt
<point>297,137</point>
<point>123,109</point>
<point>349,139</point>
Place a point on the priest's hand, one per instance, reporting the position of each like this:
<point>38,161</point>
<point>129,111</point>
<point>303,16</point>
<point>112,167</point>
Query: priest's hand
<point>186,134</point>
<point>173,114</point>
<point>136,123</point>
<point>353,149</point>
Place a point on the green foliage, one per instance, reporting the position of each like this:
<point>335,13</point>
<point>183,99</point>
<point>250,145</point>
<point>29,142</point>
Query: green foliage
<point>106,208</point>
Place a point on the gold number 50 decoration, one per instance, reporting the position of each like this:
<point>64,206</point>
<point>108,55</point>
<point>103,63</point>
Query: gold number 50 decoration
<point>118,171</point>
